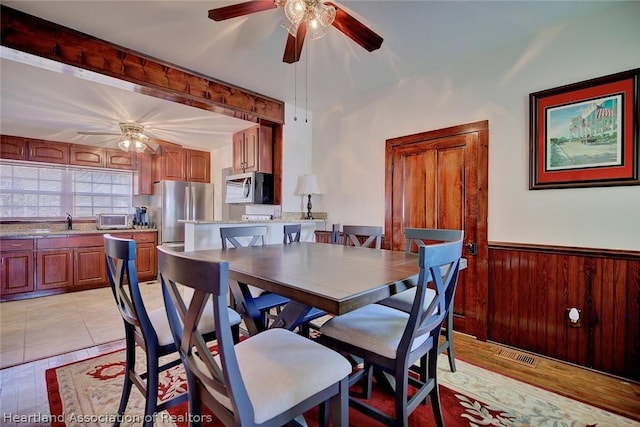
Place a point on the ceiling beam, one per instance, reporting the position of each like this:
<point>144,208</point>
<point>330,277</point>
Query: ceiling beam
<point>148,75</point>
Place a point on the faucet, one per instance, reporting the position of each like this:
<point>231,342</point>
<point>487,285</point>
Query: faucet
<point>69,222</point>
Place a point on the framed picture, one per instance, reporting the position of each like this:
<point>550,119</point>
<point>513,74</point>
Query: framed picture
<point>585,134</point>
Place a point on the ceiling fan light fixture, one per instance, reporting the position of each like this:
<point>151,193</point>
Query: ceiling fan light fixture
<point>295,10</point>
<point>325,14</point>
<point>124,144</point>
<point>291,28</point>
<point>315,29</point>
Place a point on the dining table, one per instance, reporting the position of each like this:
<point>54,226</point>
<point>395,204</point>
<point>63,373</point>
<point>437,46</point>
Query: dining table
<point>333,278</point>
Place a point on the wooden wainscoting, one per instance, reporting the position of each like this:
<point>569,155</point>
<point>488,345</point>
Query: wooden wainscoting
<point>531,287</point>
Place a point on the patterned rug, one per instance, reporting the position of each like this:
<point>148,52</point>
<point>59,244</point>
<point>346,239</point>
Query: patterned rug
<point>87,393</point>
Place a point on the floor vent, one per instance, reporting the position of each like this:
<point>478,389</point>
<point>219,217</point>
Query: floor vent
<point>518,357</point>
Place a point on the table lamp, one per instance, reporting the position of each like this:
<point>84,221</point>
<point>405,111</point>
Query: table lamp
<point>308,184</point>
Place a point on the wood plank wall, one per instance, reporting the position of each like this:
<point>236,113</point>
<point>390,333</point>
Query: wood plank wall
<point>531,287</point>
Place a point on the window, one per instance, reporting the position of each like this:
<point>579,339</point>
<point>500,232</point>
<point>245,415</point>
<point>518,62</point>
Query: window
<point>36,191</point>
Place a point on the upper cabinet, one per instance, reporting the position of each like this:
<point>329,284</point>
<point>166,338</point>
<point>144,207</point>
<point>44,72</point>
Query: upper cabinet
<point>47,151</point>
<point>198,165</point>
<point>175,163</point>
<point>253,150</point>
<point>13,148</point>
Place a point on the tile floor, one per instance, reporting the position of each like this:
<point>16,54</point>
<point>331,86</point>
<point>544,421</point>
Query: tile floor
<point>37,328</point>
<point>42,333</point>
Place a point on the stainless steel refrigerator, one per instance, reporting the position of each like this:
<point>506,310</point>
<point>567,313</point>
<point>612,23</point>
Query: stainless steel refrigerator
<point>175,200</point>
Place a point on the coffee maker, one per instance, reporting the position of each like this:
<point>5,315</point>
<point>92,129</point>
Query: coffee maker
<point>141,217</point>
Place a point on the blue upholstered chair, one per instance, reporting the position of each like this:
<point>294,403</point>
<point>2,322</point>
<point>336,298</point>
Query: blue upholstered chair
<point>268,379</point>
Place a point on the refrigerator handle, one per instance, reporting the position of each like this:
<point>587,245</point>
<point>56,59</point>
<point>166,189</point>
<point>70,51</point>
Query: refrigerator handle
<point>193,202</point>
<point>187,203</point>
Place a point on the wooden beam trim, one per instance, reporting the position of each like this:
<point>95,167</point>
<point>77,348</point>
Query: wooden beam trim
<point>154,77</point>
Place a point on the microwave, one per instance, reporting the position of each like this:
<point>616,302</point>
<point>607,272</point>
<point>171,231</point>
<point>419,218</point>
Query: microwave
<point>250,187</point>
<point>113,221</point>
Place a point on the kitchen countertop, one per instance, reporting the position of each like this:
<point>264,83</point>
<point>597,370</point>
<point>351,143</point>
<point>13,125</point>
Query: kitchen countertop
<point>43,230</point>
<point>269,221</point>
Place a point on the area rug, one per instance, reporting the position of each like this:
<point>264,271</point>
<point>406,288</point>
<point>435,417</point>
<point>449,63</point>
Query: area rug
<point>88,392</point>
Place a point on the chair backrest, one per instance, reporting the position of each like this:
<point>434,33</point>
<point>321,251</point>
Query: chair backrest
<point>335,234</point>
<point>231,234</point>
<point>439,264</point>
<point>120,256</point>
<point>366,236</point>
<point>292,233</point>
<point>206,279</point>
<point>416,237</point>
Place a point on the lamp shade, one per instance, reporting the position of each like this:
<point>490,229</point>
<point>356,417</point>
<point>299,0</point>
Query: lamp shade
<point>308,184</point>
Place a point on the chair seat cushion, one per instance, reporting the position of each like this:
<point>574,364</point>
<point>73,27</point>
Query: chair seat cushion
<point>404,300</point>
<point>374,327</point>
<point>280,369</point>
<point>158,318</point>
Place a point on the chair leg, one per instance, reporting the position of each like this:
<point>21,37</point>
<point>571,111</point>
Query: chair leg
<point>449,337</point>
<point>340,405</point>
<point>323,415</point>
<point>367,381</point>
<point>435,393</point>
<point>401,397</point>
<point>235,332</point>
<point>130,363</point>
<point>195,405</point>
<point>152,388</point>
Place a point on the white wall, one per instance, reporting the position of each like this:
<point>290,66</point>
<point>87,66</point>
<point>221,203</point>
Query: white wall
<point>349,139</point>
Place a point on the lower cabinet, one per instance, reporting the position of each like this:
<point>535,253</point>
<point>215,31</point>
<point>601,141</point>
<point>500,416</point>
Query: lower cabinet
<point>16,266</point>
<point>54,269</point>
<point>146,264</point>
<point>89,267</point>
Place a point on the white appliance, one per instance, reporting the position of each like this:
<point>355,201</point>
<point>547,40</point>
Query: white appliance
<point>179,200</point>
<point>249,187</point>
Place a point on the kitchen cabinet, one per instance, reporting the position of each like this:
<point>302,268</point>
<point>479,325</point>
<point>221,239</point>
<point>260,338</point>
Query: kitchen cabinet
<point>12,147</point>
<point>198,165</point>
<point>118,159</point>
<point>89,267</point>
<point>142,178</point>
<point>182,164</point>
<point>253,150</point>
<point>48,151</point>
<point>146,264</point>
<point>86,155</point>
<point>67,263</point>
<point>16,266</point>
<point>170,163</point>
<point>54,269</point>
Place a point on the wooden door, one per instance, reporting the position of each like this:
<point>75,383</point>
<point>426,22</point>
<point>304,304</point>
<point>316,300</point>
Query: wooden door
<point>438,179</point>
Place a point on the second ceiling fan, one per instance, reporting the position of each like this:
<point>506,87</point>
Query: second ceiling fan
<point>312,16</point>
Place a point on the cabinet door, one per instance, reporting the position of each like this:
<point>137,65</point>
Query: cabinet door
<point>86,155</point>
<point>48,151</point>
<point>89,267</point>
<point>54,269</point>
<point>146,264</point>
<point>12,147</point>
<point>17,272</point>
<point>172,163</point>
<point>251,150</point>
<point>265,149</point>
<point>143,182</point>
<point>198,165</point>
<point>118,159</point>
<point>238,152</point>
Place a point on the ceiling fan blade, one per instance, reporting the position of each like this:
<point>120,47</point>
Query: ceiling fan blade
<point>99,133</point>
<point>240,9</point>
<point>293,48</point>
<point>356,30</point>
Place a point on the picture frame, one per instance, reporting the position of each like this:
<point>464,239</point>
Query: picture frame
<point>585,134</point>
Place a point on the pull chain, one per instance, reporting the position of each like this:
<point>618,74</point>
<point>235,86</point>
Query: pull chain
<point>306,85</point>
<point>295,84</point>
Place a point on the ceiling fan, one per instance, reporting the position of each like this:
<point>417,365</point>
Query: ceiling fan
<point>312,16</point>
<point>130,138</point>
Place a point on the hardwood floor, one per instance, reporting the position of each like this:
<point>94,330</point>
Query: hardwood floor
<point>601,390</point>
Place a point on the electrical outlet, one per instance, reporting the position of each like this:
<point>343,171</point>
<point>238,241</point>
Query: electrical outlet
<point>574,317</point>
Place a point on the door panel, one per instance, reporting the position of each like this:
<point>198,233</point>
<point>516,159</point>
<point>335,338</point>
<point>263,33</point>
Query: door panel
<point>438,179</point>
